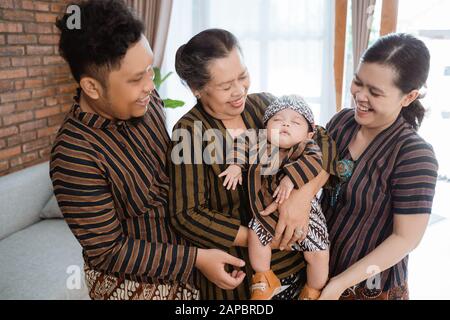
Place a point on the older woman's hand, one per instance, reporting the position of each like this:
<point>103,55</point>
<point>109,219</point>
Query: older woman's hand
<point>293,221</point>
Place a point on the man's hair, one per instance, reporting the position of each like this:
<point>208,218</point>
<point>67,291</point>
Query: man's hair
<point>108,29</point>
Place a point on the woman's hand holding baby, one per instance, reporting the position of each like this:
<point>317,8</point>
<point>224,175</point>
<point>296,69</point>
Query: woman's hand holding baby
<point>294,215</point>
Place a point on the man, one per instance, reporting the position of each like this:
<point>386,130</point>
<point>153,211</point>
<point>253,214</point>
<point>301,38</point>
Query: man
<point>108,166</point>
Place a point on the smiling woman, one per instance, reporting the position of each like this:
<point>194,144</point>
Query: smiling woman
<point>204,211</point>
<point>215,72</point>
<point>228,87</point>
<point>377,209</point>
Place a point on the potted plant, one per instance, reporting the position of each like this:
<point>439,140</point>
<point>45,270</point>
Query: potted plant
<point>158,80</point>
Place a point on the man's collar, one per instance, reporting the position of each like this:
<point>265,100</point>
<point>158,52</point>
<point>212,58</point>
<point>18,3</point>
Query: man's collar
<point>94,120</point>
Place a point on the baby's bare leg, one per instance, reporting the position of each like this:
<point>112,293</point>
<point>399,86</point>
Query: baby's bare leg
<point>317,268</point>
<point>260,255</point>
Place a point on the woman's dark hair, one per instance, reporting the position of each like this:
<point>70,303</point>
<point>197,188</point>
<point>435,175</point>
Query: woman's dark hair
<point>410,59</point>
<point>107,29</point>
<point>192,58</point>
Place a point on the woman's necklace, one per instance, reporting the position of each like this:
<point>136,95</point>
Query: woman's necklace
<point>344,171</point>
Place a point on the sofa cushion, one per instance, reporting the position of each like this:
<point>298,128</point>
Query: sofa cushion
<point>23,194</point>
<point>51,209</point>
<point>35,262</point>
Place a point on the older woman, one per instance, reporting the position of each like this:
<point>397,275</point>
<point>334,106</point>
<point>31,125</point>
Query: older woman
<point>204,211</point>
<point>378,209</point>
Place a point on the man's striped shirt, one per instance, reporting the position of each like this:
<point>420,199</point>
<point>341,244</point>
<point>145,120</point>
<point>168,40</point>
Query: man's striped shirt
<point>110,180</point>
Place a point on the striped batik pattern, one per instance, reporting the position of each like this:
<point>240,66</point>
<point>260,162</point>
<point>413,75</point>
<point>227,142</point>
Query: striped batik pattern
<point>110,179</point>
<point>395,175</point>
<point>207,214</point>
<point>301,164</point>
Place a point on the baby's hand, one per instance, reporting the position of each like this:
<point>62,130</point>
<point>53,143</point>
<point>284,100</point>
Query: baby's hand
<point>233,176</point>
<point>284,190</point>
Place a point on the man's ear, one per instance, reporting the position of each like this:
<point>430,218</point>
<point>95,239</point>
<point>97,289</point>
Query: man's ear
<point>310,135</point>
<point>91,87</point>
<point>410,98</point>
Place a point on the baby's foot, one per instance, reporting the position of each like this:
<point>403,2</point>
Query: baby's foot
<point>265,285</point>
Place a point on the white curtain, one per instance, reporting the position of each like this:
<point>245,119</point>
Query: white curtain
<point>156,17</point>
<point>287,45</point>
<point>362,13</point>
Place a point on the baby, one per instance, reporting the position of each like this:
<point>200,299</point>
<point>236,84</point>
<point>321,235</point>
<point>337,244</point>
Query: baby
<point>290,127</point>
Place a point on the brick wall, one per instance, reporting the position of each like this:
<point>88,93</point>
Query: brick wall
<point>36,87</point>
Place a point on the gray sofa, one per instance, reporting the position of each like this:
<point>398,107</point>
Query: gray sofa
<point>39,256</point>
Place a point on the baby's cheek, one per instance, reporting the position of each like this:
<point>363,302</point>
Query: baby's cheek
<point>300,134</point>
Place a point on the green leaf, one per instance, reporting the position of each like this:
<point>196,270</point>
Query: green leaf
<point>166,76</point>
<point>157,80</point>
<point>172,104</point>
<point>168,103</point>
